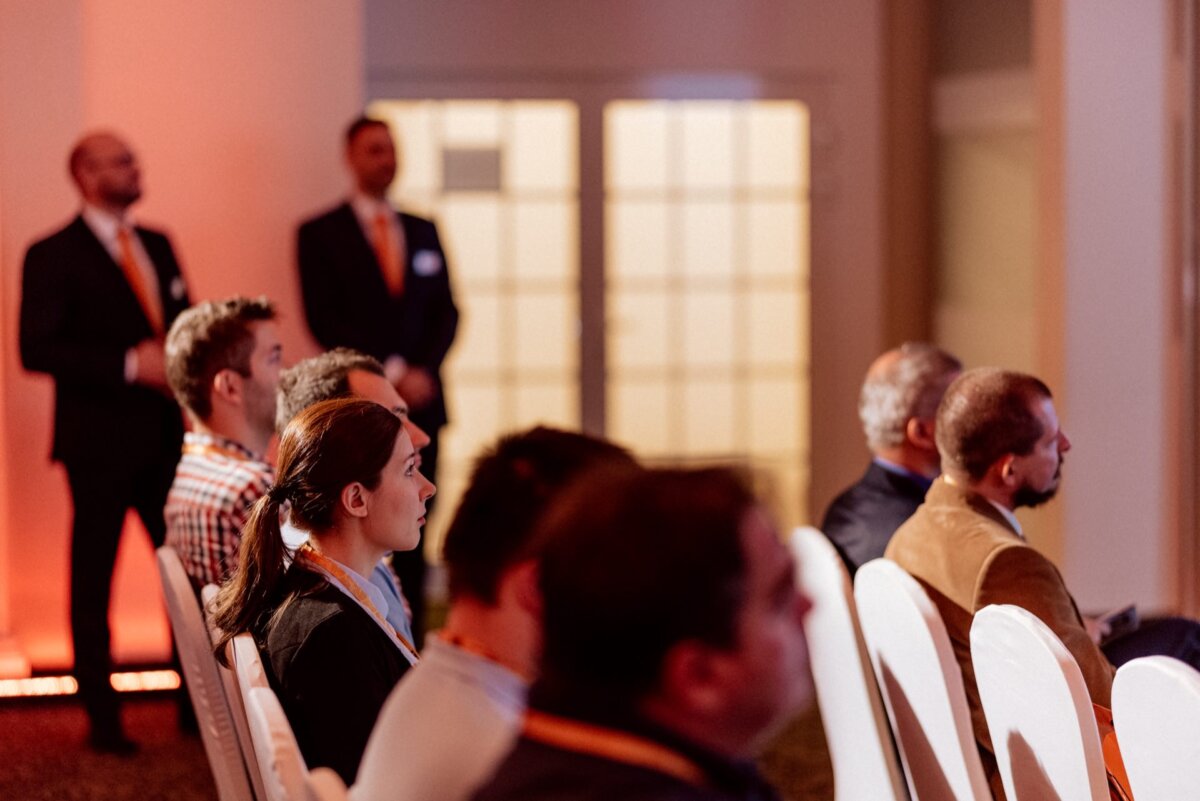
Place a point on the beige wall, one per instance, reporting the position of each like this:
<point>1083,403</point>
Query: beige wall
<point>235,110</point>
<point>1109,174</point>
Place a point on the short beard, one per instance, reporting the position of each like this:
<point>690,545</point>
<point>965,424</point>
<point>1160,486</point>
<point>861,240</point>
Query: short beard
<point>1030,498</point>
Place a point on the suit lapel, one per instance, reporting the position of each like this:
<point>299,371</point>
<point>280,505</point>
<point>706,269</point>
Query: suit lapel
<point>93,251</point>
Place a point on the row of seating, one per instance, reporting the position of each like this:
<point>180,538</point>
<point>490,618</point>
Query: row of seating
<point>247,738</point>
<point>884,637</point>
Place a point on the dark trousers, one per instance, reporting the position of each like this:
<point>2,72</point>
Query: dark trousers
<point>1164,636</point>
<point>410,566</point>
<point>101,493</point>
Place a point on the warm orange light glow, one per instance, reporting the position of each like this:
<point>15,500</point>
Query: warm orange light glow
<point>128,682</point>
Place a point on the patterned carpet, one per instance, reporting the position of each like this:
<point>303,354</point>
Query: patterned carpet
<point>43,756</point>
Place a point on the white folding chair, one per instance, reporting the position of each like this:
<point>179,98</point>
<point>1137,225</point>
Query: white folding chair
<point>856,726</point>
<point>213,714</point>
<point>247,664</point>
<point>1038,710</point>
<point>1156,712</point>
<point>233,696</point>
<point>284,771</point>
<point>921,684</point>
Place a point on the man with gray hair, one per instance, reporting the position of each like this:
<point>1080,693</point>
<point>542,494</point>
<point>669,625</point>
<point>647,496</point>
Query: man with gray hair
<point>897,406</point>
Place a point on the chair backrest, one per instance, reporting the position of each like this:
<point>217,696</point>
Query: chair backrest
<point>279,759</point>
<point>233,696</point>
<point>1037,706</point>
<point>1156,712</point>
<point>856,726</point>
<point>325,785</point>
<point>213,715</point>
<point>921,684</point>
<point>247,664</point>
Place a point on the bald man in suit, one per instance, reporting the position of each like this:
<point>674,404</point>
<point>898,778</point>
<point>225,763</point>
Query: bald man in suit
<point>97,297</point>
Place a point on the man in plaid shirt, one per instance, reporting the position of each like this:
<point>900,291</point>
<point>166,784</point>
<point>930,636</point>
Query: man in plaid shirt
<point>223,362</point>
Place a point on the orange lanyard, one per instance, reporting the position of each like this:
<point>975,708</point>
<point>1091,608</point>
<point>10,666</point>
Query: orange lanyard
<point>586,738</point>
<point>327,565</point>
<point>474,646</point>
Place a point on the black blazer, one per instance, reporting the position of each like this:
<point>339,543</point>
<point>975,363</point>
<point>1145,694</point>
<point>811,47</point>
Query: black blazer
<point>332,667</point>
<point>78,318</point>
<point>347,302</point>
<point>861,521</point>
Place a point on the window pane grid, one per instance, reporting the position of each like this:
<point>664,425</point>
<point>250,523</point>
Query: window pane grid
<point>707,277</point>
<point>508,213</point>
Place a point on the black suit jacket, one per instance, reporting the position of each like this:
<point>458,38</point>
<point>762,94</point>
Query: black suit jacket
<point>862,520</point>
<point>348,304</point>
<point>78,318</point>
<point>332,667</point>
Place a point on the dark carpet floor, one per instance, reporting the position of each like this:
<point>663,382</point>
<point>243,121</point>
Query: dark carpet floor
<point>44,755</point>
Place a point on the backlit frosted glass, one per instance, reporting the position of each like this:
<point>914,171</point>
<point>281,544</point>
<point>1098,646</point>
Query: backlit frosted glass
<point>708,329</point>
<point>472,227</point>
<point>775,145</point>
<point>476,412</point>
<point>707,156</point>
<point>774,414</point>
<point>774,233</point>
<point>477,346</point>
<point>418,149</point>
<point>636,146</point>
<point>544,153</point>
<point>709,417</point>
<point>637,236</point>
<point>545,240</point>
<point>639,415</point>
<point>774,328</point>
<point>546,336</point>
<point>546,404</point>
<point>708,231</point>
<point>638,330</point>
<point>472,123</point>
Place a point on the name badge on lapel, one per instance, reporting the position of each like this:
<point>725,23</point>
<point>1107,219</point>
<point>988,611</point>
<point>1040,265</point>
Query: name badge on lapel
<point>427,263</point>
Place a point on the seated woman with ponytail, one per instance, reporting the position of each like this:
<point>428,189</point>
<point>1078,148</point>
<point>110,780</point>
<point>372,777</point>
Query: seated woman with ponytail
<point>347,473</point>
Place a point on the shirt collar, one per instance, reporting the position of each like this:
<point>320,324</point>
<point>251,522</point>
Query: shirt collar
<point>918,479</point>
<point>104,224</point>
<point>367,208</point>
<point>204,439</point>
<point>1004,512</point>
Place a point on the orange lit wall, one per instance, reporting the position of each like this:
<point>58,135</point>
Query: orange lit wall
<point>235,110</point>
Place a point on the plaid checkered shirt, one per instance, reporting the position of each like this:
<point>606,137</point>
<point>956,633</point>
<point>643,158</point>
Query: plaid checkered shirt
<point>216,483</point>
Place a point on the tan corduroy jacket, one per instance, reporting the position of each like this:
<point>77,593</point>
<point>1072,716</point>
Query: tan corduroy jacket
<point>966,556</point>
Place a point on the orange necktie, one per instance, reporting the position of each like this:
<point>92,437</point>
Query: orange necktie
<point>389,262</point>
<point>137,281</point>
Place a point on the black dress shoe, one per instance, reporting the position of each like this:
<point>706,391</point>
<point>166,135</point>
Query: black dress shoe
<point>112,741</point>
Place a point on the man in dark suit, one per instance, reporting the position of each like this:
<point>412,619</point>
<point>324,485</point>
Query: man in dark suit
<point>897,407</point>
<point>375,280</point>
<point>97,297</point>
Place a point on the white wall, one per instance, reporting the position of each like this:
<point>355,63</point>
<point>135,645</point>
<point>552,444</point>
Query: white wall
<point>1117,508</point>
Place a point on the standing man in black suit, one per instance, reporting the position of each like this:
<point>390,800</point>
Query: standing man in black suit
<point>96,300</point>
<point>375,280</point>
<point>897,407</point>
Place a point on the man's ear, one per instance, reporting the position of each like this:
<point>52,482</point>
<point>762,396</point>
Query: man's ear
<point>354,499</point>
<point>523,581</point>
<point>227,385</point>
<point>1006,469</point>
<point>920,433</point>
<point>694,675</point>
